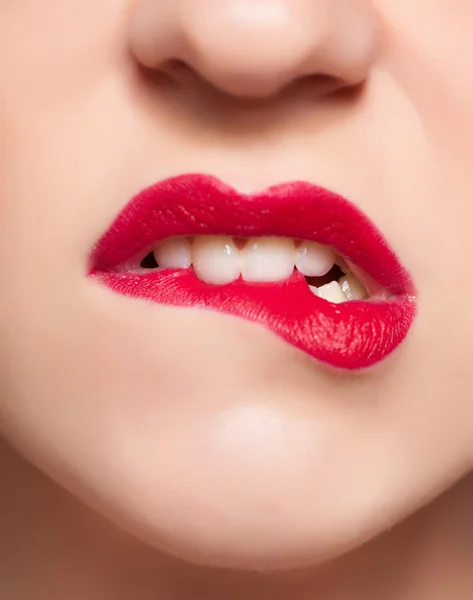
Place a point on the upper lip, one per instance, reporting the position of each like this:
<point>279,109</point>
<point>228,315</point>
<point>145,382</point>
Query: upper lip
<point>193,205</point>
<point>349,335</point>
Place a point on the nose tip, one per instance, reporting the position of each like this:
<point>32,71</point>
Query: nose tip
<point>256,47</point>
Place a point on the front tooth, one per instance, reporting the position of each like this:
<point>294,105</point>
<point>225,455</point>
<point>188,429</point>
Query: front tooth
<point>174,253</point>
<point>352,288</point>
<point>332,292</point>
<point>216,259</point>
<point>314,260</point>
<point>267,259</point>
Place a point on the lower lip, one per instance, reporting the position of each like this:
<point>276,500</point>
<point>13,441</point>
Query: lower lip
<point>351,335</point>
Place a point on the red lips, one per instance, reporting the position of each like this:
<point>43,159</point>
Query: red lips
<point>350,335</point>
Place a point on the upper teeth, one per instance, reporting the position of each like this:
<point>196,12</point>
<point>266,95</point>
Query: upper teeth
<point>267,259</point>
<point>174,253</point>
<point>218,260</point>
<point>215,259</point>
<point>313,259</point>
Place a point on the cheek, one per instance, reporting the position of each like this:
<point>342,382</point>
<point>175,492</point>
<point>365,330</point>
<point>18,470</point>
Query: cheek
<point>59,50</point>
<point>427,53</point>
<point>54,63</point>
<point>57,75</point>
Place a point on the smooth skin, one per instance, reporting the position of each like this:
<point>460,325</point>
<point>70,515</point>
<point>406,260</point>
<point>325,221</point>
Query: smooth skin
<point>156,452</point>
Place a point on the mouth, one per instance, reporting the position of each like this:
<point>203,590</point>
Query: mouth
<point>298,259</point>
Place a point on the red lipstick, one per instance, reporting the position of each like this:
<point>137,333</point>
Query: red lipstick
<point>350,335</point>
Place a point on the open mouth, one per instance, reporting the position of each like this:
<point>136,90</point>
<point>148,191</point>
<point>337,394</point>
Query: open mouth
<point>220,260</point>
<point>298,259</point>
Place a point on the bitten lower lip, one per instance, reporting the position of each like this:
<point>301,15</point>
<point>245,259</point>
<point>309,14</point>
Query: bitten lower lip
<point>351,335</point>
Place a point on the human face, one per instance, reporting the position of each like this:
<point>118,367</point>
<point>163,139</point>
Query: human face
<point>206,434</point>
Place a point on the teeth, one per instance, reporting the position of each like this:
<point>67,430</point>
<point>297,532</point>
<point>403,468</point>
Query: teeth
<point>174,253</point>
<point>352,289</point>
<point>332,292</point>
<point>216,259</point>
<point>267,259</point>
<point>314,260</point>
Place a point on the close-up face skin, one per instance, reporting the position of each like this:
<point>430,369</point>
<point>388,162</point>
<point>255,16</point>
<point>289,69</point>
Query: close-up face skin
<point>211,403</point>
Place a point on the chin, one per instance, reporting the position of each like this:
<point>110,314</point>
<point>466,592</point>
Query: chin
<point>209,457</point>
<point>250,488</point>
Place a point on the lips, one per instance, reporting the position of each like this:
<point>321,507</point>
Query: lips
<point>350,335</point>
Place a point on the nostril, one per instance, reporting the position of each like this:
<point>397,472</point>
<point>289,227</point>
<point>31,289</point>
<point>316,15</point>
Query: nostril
<point>174,68</point>
<point>175,64</point>
<point>318,86</point>
<point>182,73</point>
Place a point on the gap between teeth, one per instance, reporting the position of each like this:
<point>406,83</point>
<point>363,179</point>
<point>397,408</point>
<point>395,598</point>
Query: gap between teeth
<point>218,260</point>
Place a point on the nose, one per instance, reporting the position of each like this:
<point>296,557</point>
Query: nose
<point>255,48</point>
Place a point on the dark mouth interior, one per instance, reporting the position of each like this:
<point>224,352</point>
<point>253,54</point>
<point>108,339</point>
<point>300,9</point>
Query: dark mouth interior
<point>335,273</point>
<point>149,262</point>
